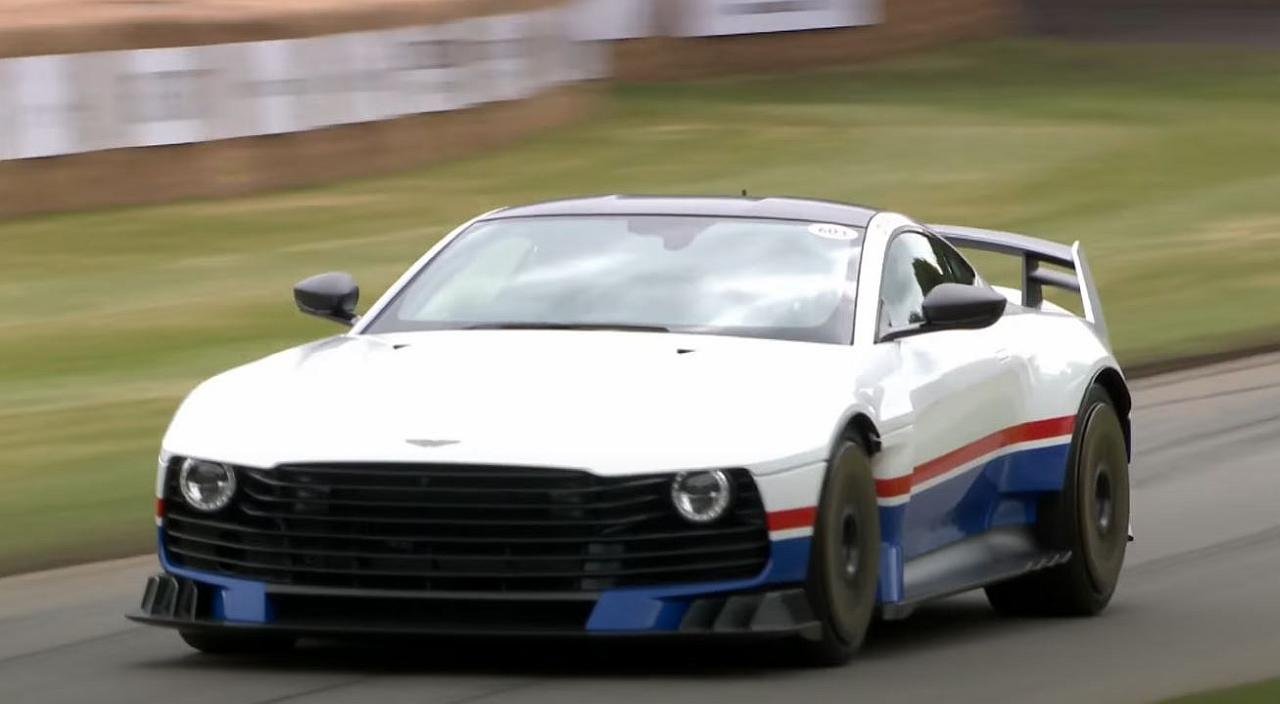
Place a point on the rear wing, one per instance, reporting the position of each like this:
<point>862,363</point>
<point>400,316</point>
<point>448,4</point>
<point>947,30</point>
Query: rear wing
<point>1035,253</point>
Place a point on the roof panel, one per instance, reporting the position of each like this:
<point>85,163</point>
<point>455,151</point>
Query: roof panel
<point>774,208</point>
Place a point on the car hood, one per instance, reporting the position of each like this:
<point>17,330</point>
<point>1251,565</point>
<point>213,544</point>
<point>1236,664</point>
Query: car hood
<point>606,402</point>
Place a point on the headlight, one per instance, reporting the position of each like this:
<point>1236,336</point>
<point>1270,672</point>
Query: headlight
<point>207,486</point>
<point>701,497</point>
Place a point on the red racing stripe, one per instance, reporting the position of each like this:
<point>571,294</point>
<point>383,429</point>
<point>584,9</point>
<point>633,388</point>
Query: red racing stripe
<point>1027,432</point>
<point>1037,430</point>
<point>898,486</point>
<point>792,518</point>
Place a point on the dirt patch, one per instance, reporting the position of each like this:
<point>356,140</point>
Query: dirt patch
<point>1257,231</point>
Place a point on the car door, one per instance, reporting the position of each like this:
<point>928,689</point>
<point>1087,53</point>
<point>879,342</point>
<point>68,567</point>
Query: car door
<point>963,391</point>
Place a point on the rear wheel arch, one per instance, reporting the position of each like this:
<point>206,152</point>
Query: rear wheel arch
<point>1111,381</point>
<point>1086,521</point>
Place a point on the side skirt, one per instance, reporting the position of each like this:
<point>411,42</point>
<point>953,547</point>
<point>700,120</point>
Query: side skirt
<point>994,556</point>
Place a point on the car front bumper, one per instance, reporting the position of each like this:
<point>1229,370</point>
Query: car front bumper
<point>205,593</point>
<point>772,604</point>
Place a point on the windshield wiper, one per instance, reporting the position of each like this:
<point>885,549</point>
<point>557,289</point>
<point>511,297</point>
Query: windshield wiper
<point>566,326</point>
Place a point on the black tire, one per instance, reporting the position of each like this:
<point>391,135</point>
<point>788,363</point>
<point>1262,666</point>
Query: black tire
<point>1089,517</point>
<point>217,643</point>
<point>844,561</point>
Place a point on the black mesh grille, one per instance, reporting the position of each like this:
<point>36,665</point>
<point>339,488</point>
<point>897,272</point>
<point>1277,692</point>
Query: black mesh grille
<point>463,529</point>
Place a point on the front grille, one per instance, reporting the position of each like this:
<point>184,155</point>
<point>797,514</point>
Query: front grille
<point>451,528</point>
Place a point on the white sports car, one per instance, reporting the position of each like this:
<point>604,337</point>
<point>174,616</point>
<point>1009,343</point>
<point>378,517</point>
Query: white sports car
<point>657,416</point>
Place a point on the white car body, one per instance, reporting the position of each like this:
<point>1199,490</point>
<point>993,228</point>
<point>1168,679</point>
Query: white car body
<point>615,403</point>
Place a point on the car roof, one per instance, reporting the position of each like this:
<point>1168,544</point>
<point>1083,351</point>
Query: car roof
<point>714,206</point>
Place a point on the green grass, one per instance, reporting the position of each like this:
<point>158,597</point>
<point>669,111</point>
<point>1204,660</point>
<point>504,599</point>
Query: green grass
<point>1163,160</point>
<point>1258,693</point>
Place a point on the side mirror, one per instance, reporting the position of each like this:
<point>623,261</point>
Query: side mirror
<point>960,307</point>
<point>332,296</point>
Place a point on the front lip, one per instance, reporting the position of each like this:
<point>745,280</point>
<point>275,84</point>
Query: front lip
<point>778,611</point>
<point>805,630</point>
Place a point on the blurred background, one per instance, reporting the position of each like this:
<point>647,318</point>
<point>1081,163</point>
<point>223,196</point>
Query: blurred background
<point>168,169</point>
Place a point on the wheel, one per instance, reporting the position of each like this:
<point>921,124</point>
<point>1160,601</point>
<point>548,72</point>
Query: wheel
<point>844,560</point>
<point>216,643</point>
<point>1089,517</point>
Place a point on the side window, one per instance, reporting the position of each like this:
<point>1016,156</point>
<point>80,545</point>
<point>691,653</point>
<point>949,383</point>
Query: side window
<point>912,269</point>
<point>957,269</point>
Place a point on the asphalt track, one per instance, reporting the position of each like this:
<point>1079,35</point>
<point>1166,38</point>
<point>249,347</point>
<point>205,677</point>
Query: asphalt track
<point>1198,607</point>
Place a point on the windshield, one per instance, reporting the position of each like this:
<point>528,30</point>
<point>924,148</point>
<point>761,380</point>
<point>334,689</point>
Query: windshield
<point>728,276</point>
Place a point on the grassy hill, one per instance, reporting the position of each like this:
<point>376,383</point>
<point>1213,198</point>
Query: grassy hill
<point>1161,159</point>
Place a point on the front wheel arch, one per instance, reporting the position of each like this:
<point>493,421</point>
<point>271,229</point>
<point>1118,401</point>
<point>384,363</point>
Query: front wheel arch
<point>843,567</point>
<point>862,430</point>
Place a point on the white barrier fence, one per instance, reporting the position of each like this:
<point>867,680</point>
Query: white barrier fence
<point>706,18</point>
<point>71,103</point>
<point>631,19</point>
